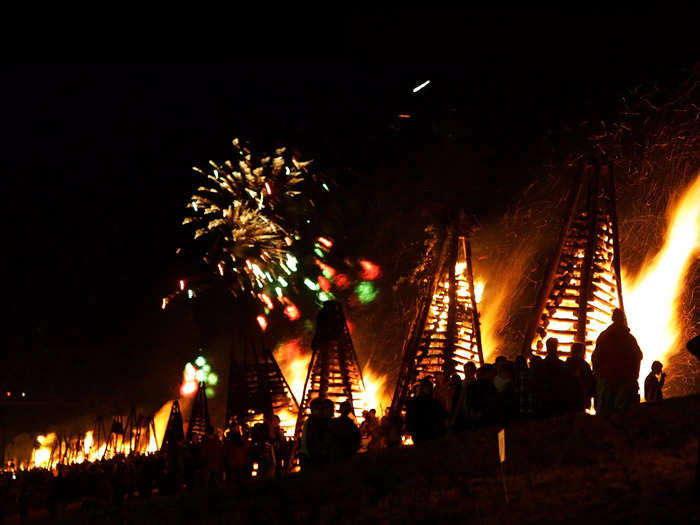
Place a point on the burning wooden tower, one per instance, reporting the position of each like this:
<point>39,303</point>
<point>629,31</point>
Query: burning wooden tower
<point>173,430</point>
<point>199,417</point>
<point>334,372</point>
<point>258,389</point>
<point>445,332</point>
<point>582,284</point>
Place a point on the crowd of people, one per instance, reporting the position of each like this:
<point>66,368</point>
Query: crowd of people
<point>533,386</point>
<point>496,393</point>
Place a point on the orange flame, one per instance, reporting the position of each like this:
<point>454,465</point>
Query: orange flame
<point>653,298</point>
<point>294,360</point>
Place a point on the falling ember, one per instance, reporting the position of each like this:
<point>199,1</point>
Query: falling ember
<point>164,303</point>
<point>370,271</point>
<point>652,298</point>
<point>292,312</point>
<point>328,271</point>
<point>324,283</point>
<point>265,299</point>
<point>262,321</point>
<point>182,285</point>
<point>326,242</point>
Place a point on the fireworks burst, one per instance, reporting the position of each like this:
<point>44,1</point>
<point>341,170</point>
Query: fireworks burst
<point>247,217</point>
<point>244,216</point>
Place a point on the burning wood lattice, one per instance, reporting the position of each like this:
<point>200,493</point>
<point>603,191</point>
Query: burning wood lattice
<point>334,372</point>
<point>173,431</point>
<point>199,417</point>
<point>258,390</point>
<point>445,333</point>
<point>582,284</point>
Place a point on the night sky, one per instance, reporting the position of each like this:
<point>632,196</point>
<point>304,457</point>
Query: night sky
<point>96,165</point>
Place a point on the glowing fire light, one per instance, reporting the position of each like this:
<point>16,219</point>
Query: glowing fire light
<point>294,359</point>
<point>652,298</point>
<point>262,321</point>
<point>478,291</point>
<point>326,242</point>
<point>41,456</point>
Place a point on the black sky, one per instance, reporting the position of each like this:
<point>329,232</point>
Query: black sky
<point>96,159</point>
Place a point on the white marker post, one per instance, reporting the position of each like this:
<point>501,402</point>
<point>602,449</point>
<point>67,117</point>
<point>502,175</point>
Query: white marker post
<point>502,457</point>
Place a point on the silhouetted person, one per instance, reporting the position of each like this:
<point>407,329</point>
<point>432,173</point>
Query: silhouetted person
<point>58,494</point>
<point>616,362</point>
<point>539,348</point>
<point>528,387</point>
<point>581,376</point>
<point>315,438</point>
<point>482,398</point>
<point>504,382</point>
<point>391,428</point>
<point>375,441</point>
<point>212,457</point>
<point>553,383</point>
<point>454,389</point>
<point>279,442</point>
<point>654,383</point>
<point>235,456</point>
<point>425,416</point>
<point>345,437</point>
<point>459,418</point>
<point>263,452</point>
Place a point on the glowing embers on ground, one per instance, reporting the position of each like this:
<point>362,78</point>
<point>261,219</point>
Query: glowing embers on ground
<point>653,297</point>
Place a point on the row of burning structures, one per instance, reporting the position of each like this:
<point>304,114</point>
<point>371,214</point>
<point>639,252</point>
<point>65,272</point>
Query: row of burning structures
<point>580,289</point>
